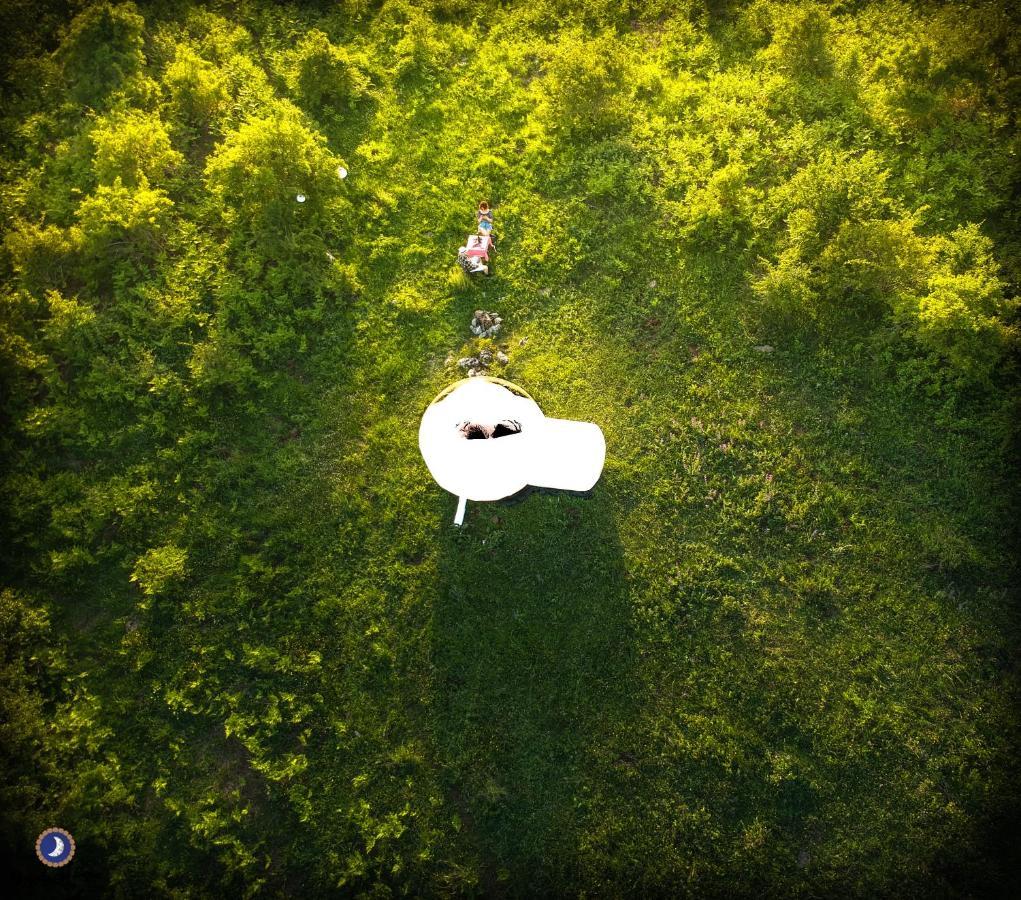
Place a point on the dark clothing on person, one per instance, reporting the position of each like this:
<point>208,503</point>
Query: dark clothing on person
<point>474,431</point>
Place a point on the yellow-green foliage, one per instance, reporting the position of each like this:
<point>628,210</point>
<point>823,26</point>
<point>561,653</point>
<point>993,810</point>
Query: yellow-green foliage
<point>586,88</point>
<point>257,172</point>
<point>41,255</point>
<point>158,568</point>
<point>962,313</point>
<point>117,220</point>
<point>102,50</point>
<point>198,89</point>
<point>134,147</point>
<point>322,73</point>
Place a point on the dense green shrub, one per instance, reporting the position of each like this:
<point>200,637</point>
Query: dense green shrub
<point>867,266</point>
<point>133,147</point>
<point>218,362</point>
<point>799,41</point>
<point>962,315</point>
<point>28,661</point>
<point>120,222</point>
<point>586,87</point>
<point>787,301</point>
<point>258,171</point>
<point>198,90</point>
<point>42,256</point>
<point>158,568</point>
<point>101,50</point>
<point>70,329</point>
<point>417,50</point>
<point>718,213</point>
<point>323,74</point>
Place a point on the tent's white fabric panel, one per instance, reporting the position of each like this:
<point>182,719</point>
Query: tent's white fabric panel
<point>481,469</point>
<point>553,453</point>
<point>568,455</point>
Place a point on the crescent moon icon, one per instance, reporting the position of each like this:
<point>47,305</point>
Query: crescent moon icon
<point>61,850</point>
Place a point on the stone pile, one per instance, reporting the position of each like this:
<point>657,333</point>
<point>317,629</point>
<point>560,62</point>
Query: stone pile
<point>485,324</point>
<point>476,365</point>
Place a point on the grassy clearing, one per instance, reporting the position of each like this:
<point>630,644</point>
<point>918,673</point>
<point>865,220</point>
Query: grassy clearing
<point>774,651</point>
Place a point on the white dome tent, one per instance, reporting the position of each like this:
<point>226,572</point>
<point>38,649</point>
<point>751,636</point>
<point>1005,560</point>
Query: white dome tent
<point>530,449</point>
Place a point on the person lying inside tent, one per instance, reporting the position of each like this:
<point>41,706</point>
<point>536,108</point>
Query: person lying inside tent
<point>473,431</point>
<point>470,265</point>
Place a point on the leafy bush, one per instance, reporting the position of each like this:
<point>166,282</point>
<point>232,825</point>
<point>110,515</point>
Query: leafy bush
<point>586,86</point>
<point>800,41</point>
<point>945,292</point>
<point>218,362</point>
<point>835,188</point>
<point>102,49</point>
<point>840,249</point>
<point>323,74</point>
<point>719,212</point>
<point>258,171</point>
<point>70,327</point>
<point>788,304</point>
<point>158,568</point>
<point>43,256</point>
<point>198,90</point>
<point>133,147</point>
<point>866,266</point>
<point>30,661</point>
<point>417,51</point>
<point>963,316</point>
<point>118,222</point>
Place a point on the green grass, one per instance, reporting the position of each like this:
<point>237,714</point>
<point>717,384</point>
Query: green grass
<point>773,652</point>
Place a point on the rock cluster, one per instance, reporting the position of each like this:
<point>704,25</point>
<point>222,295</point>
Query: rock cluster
<point>485,324</point>
<point>479,365</point>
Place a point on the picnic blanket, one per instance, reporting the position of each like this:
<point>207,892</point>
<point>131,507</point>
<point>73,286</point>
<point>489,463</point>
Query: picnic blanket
<point>478,245</point>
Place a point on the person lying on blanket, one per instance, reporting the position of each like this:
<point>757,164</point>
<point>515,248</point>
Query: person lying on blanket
<point>470,265</point>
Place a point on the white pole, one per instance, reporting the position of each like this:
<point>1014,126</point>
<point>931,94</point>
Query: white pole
<point>462,502</point>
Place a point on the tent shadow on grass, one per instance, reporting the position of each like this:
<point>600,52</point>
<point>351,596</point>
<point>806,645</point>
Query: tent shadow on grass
<point>534,654</point>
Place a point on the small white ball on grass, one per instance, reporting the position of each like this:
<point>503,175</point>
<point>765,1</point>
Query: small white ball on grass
<point>300,198</point>
<point>341,172</point>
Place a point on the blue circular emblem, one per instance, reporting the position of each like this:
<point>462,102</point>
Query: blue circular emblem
<point>54,847</point>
